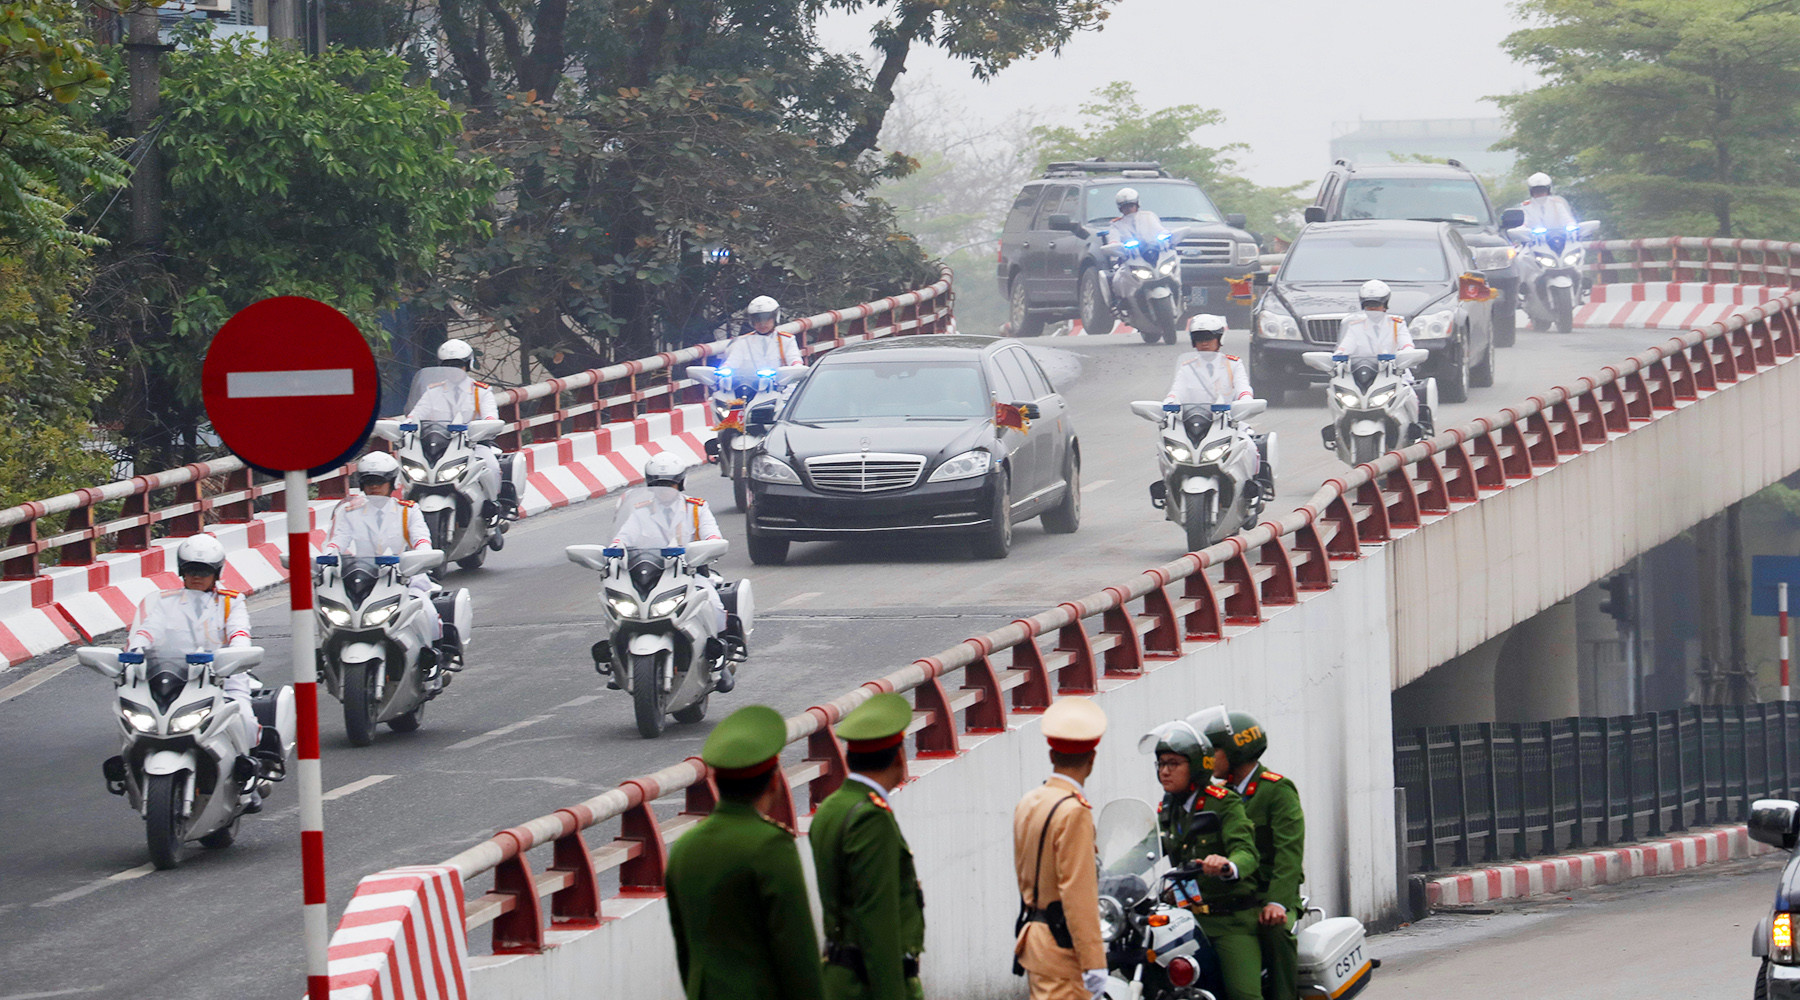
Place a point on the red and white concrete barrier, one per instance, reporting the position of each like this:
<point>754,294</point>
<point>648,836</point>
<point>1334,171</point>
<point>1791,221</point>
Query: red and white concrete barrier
<point>402,938</point>
<point>1669,305</point>
<point>587,465</point>
<point>1579,871</point>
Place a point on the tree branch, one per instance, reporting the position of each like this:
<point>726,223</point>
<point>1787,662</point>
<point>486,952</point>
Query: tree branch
<point>913,19</point>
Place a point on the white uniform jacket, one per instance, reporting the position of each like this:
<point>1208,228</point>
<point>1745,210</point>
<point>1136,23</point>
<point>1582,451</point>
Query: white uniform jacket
<point>655,525</point>
<point>376,526</point>
<point>1206,377</point>
<point>191,621</point>
<point>1142,225</point>
<point>1369,334</point>
<point>1549,212</point>
<point>456,401</point>
<point>753,352</point>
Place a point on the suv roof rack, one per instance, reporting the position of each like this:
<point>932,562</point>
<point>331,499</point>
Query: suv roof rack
<point>1455,163</point>
<point>1346,164</point>
<point>1064,168</point>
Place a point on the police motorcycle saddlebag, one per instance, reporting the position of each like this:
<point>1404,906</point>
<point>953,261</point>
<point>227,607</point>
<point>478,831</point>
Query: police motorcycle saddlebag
<point>1333,959</point>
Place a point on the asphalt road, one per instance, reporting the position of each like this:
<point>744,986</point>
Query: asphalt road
<point>528,727</point>
<point>1674,937</point>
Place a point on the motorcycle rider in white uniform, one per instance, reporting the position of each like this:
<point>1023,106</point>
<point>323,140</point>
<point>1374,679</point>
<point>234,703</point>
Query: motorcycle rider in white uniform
<point>1134,223</point>
<point>762,348</point>
<point>377,523</point>
<point>1544,210</point>
<point>1373,333</point>
<point>203,617</point>
<point>460,400</point>
<point>669,518</point>
<point>1210,376</point>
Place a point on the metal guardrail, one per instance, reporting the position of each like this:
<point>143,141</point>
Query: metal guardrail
<point>1487,791</point>
<point>1119,632</point>
<point>174,501</point>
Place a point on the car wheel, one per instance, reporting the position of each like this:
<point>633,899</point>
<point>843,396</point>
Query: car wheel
<point>1023,323</point>
<point>1761,991</point>
<point>1482,375</point>
<point>1506,323</point>
<point>1453,384</point>
<point>1096,315</point>
<point>996,541</point>
<point>1065,518</point>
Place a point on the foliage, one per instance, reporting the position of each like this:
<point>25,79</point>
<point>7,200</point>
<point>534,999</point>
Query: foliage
<point>1116,126</point>
<point>1669,116</point>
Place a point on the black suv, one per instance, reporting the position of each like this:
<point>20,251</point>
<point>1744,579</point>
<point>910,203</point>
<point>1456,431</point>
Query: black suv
<point>1776,822</point>
<point>1430,192</point>
<point>1046,272</point>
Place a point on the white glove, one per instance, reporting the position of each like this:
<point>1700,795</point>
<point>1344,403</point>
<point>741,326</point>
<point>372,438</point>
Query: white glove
<point>1095,981</point>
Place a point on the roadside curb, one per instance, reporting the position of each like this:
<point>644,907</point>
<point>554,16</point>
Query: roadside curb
<point>1591,868</point>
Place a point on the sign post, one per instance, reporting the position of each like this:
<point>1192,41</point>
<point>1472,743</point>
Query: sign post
<point>1781,616</point>
<point>291,388</point>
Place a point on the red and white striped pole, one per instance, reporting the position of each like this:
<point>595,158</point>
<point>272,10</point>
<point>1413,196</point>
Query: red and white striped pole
<point>306,700</point>
<point>1781,616</point>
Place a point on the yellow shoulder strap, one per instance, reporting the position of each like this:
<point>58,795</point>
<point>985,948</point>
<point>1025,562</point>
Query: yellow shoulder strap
<point>696,509</point>
<point>477,414</point>
<point>405,526</point>
<point>227,615</point>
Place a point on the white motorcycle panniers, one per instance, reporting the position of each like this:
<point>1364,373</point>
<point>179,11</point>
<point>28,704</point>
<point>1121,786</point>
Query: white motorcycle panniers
<point>1333,961</point>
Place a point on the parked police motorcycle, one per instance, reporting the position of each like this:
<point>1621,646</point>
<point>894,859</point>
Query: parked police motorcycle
<point>1156,950</point>
<point>186,766</point>
<point>1367,400</point>
<point>1145,290</point>
<point>375,653</point>
<point>661,643</point>
<point>745,405</point>
<point>1208,458</point>
<point>1551,284</point>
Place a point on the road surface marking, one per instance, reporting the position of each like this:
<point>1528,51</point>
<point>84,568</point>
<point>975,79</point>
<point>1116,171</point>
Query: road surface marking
<point>301,382</point>
<point>494,734</point>
<point>578,702</point>
<point>355,786</point>
<point>95,886</point>
<point>798,598</point>
<point>49,993</point>
<point>32,680</point>
<point>130,873</point>
<point>1096,484</point>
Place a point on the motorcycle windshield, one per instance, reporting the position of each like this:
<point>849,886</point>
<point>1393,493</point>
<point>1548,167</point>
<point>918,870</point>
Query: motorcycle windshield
<point>649,517</point>
<point>1126,837</point>
<point>359,574</point>
<point>434,439</point>
<point>428,377</point>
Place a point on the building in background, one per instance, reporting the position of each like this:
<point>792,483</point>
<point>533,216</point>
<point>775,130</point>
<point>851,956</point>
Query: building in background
<point>1467,139</point>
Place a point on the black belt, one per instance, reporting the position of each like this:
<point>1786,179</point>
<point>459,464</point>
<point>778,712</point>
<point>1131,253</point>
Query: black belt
<point>850,957</point>
<point>1221,909</point>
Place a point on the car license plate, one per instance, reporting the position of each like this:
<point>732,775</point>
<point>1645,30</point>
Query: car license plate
<point>1197,296</point>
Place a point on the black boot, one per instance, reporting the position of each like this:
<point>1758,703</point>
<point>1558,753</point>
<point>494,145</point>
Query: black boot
<point>602,653</point>
<point>1426,422</point>
<point>509,500</point>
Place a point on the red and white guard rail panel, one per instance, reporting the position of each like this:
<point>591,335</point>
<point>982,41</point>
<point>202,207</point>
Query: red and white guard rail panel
<point>402,938</point>
<point>1669,305</point>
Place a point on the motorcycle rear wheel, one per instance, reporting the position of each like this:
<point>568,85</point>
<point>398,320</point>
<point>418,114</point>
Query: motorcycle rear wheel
<point>360,704</point>
<point>647,696</point>
<point>163,826</point>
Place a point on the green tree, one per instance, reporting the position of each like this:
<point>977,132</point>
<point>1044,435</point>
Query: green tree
<point>1671,117</point>
<point>1115,126</point>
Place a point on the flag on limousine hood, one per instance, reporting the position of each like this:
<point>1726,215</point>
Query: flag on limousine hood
<point>1008,415</point>
<point>1474,288</point>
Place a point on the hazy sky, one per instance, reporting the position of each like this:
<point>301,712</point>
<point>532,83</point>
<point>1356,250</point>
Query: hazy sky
<point>1282,71</point>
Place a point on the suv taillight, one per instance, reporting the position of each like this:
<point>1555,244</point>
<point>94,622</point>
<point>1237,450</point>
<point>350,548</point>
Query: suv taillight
<point>1781,939</point>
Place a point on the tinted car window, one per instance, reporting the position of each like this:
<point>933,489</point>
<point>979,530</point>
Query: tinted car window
<point>852,391</point>
<point>1020,216</point>
<point>1443,199</point>
<point>1040,386</point>
<point>1359,258</point>
<point>1057,200</point>
<point>1171,202</point>
<point>1013,372</point>
<point>1464,256</point>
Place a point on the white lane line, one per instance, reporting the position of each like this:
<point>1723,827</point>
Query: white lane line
<point>130,873</point>
<point>494,734</point>
<point>95,886</point>
<point>797,599</point>
<point>49,993</point>
<point>578,702</point>
<point>32,680</point>
<point>1096,484</point>
<point>355,786</point>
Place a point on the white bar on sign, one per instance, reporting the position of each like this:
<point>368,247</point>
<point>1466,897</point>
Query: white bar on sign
<point>304,382</point>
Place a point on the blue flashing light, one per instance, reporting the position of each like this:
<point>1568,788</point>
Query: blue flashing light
<point>722,372</point>
<point>1131,244</point>
<point>1340,357</point>
<point>387,560</point>
<point>1384,357</point>
<point>325,561</point>
<point>409,427</point>
<point>675,550</point>
<point>1165,237</point>
<point>197,658</point>
<point>1221,407</point>
<point>1540,230</point>
<point>765,373</point>
<point>1171,407</point>
<point>458,428</point>
<point>133,656</point>
<point>613,552</point>
<point>1570,228</point>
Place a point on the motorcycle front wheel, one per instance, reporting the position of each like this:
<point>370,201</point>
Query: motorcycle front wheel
<point>1364,449</point>
<point>1166,319</point>
<point>647,695</point>
<point>1198,519</point>
<point>1562,306</point>
<point>360,703</point>
<point>740,492</point>
<point>164,828</point>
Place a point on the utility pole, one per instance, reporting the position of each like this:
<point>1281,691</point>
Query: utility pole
<point>144,49</point>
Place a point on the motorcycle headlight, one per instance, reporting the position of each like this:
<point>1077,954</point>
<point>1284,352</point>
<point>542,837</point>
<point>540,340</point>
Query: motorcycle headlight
<point>190,720</point>
<point>1347,399</point>
<point>143,722</point>
<point>667,603</point>
<point>1168,266</point>
<point>770,469</point>
<point>1432,326</point>
<point>1245,253</point>
<point>1112,919</point>
<point>1177,453</point>
<point>1383,398</point>
<point>1781,939</point>
<point>415,471</point>
<point>1545,259</point>
<point>1272,324</point>
<point>334,612</point>
<point>1572,260</point>
<point>453,471</point>
<point>378,615</point>
<point>622,606</point>
<point>1215,451</point>
<point>967,465</point>
<point>1141,273</point>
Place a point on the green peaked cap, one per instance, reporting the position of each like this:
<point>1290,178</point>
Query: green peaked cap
<point>748,737</point>
<point>879,718</point>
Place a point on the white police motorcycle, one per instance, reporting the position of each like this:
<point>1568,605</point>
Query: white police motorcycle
<point>375,653</point>
<point>1145,290</point>
<point>186,766</point>
<point>745,405</point>
<point>1550,281</point>
<point>1367,398</point>
<point>1208,458</point>
<point>457,497</point>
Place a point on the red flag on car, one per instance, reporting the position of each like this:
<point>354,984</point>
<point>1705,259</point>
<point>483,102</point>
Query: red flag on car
<point>1240,288</point>
<point>1008,415</point>
<point>1474,288</point>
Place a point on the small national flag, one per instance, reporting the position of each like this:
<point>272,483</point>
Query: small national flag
<point>1008,415</point>
<point>734,420</point>
<point>1240,288</point>
<point>1474,288</point>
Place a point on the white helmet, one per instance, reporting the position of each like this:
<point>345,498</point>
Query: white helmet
<point>378,465</point>
<point>456,352</point>
<point>665,469</point>
<point>763,306</point>
<point>1375,290</point>
<point>1205,323</point>
<point>201,553</point>
<point>1538,180</point>
<point>1126,196</point>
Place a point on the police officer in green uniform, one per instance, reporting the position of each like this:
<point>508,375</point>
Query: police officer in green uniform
<point>736,891</point>
<point>1273,804</point>
<point>1207,824</point>
<point>868,892</point>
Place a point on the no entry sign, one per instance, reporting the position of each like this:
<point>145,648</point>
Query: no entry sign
<point>290,385</point>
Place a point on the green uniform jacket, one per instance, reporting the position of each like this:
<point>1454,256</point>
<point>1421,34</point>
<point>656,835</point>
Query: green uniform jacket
<point>868,892</point>
<point>1273,804</point>
<point>1233,838</point>
<point>737,900</point>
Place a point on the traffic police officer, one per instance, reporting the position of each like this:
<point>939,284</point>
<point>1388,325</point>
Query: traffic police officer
<point>1204,823</point>
<point>736,891</point>
<point>1059,941</point>
<point>869,893</point>
<point>1273,804</point>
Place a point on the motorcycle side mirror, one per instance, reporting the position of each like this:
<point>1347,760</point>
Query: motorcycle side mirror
<point>1236,220</point>
<point>103,660</point>
<point>485,430</point>
<point>1518,234</point>
<point>1586,230</point>
<point>594,557</point>
<point>789,374</point>
<point>1244,409</point>
<point>1512,218</point>
<point>388,430</point>
<point>235,660</point>
<point>1775,822</point>
<point>1318,360</point>
<point>1148,409</point>
<point>420,560</point>
<point>702,552</point>
<point>1029,411</point>
<point>1314,213</point>
<point>1411,357</point>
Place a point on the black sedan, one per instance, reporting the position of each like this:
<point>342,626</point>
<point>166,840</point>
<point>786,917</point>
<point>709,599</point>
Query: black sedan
<point>1317,285</point>
<point>917,435</point>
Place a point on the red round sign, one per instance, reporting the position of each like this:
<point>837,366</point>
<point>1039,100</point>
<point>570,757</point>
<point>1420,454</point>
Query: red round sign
<point>290,384</point>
